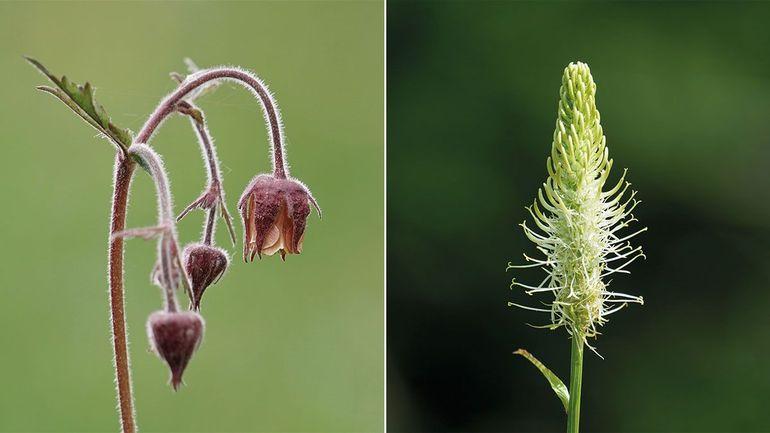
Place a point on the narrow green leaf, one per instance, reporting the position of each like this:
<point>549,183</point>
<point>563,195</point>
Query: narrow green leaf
<point>80,99</point>
<point>556,384</point>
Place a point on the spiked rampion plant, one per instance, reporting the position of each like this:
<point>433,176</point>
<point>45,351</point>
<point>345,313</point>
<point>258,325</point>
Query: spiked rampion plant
<point>274,209</point>
<point>577,228</point>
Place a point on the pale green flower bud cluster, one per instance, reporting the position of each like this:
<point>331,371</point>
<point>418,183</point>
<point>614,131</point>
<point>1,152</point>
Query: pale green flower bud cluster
<point>577,221</point>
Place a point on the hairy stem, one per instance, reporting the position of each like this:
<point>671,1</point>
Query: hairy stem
<point>575,384</point>
<point>208,230</point>
<point>124,169</point>
<point>207,146</point>
<point>246,79</point>
<point>167,244</point>
<point>208,150</point>
<point>204,138</point>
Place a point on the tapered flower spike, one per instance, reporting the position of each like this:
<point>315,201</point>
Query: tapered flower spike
<point>577,220</point>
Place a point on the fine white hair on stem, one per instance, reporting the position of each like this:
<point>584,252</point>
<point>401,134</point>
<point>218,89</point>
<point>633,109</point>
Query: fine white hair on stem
<point>168,246</point>
<point>213,196</point>
<point>118,404</point>
<point>122,175</point>
<point>153,163</point>
<point>246,79</point>
<point>207,148</point>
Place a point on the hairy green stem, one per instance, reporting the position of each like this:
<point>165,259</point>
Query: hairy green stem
<point>575,383</point>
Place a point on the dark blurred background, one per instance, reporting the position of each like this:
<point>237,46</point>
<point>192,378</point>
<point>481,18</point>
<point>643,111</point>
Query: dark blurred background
<point>684,93</point>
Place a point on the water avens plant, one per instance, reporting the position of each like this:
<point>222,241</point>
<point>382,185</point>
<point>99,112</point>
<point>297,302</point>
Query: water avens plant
<point>274,216</point>
<point>578,222</point>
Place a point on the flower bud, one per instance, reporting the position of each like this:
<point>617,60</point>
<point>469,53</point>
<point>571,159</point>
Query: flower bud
<point>205,265</point>
<point>274,213</point>
<point>174,337</point>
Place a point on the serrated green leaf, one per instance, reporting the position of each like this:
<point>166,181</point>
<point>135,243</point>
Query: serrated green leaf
<point>70,104</point>
<point>80,99</point>
<point>556,384</point>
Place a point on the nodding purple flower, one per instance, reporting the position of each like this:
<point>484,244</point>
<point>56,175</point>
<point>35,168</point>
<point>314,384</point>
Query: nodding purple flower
<point>174,337</point>
<point>274,212</point>
<point>205,264</point>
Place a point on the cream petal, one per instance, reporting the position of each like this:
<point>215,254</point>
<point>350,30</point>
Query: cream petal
<point>273,241</point>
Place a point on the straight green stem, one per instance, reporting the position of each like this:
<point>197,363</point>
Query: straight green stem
<point>575,383</point>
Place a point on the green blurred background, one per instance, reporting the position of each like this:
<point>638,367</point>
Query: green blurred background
<point>294,346</point>
<point>684,93</point>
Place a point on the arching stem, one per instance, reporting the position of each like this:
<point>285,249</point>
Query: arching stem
<point>168,248</point>
<point>214,195</point>
<point>246,79</point>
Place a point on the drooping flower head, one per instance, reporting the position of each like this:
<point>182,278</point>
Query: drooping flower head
<point>274,212</point>
<point>577,219</point>
<point>205,264</point>
<point>174,337</point>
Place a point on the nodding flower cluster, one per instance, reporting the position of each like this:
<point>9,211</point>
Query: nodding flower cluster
<point>578,221</point>
<point>274,209</point>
